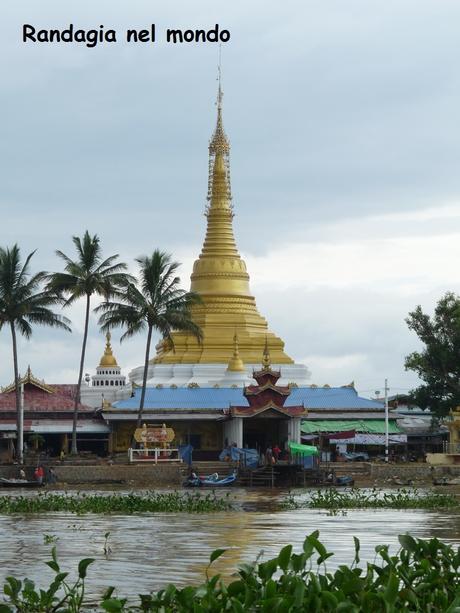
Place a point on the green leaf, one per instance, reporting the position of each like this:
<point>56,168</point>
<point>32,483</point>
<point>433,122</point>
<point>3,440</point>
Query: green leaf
<point>113,605</point>
<point>408,542</point>
<point>83,565</point>
<point>53,565</point>
<point>216,554</point>
<point>357,548</point>
<point>454,606</point>
<point>284,557</point>
<point>236,587</point>
<point>391,592</point>
<point>108,592</point>
<point>237,607</point>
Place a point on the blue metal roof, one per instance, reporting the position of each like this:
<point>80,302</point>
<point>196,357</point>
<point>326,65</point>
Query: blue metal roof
<point>208,398</point>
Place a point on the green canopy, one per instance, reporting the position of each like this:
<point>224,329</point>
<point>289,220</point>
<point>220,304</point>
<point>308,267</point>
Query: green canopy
<point>368,426</point>
<point>304,450</point>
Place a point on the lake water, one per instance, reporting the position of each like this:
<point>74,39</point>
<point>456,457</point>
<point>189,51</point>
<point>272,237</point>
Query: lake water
<point>151,550</point>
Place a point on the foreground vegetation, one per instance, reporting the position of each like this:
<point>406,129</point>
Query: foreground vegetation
<point>171,502</point>
<point>336,500</point>
<point>422,576</point>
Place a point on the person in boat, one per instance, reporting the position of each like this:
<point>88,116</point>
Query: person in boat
<point>52,476</point>
<point>22,474</point>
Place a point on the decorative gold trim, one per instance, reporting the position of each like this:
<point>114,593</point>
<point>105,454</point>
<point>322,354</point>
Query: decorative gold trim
<point>29,379</point>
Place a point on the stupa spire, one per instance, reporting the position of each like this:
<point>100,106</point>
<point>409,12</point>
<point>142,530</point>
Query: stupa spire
<point>220,277</point>
<point>236,363</point>
<point>266,360</point>
<point>219,240</point>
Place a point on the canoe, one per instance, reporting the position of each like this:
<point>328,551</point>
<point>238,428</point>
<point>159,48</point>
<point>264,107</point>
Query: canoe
<point>18,483</point>
<point>210,481</point>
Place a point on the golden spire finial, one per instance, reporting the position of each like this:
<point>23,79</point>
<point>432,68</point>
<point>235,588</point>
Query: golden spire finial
<point>266,360</point>
<point>219,190</point>
<point>108,359</point>
<point>236,363</point>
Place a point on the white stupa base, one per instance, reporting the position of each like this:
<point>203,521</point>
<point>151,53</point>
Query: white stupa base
<point>95,396</point>
<point>210,375</point>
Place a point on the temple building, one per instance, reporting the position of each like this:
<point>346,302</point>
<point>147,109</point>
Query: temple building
<point>239,385</point>
<point>48,419</point>
<point>108,384</point>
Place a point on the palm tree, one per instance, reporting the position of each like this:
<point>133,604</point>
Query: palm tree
<point>155,303</point>
<point>88,275</point>
<point>23,303</point>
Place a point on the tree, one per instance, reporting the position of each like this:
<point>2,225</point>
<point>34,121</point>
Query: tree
<point>24,303</point>
<point>156,303</point>
<point>87,276</point>
<point>438,364</point>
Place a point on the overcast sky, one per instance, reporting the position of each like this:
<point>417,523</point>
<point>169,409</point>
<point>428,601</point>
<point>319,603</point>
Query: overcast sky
<point>344,123</point>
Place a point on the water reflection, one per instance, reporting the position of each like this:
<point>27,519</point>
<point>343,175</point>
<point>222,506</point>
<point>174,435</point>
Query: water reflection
<point>151,550</point>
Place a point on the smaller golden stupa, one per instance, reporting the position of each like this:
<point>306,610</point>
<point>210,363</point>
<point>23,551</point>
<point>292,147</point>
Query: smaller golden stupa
<point>108,359</point>
<point>236,363</point>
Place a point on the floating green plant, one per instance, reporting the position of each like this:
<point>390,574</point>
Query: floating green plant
<point>334,499</point>
<point>170,502</point>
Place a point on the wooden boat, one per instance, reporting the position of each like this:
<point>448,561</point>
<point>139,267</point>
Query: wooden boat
<point>344,481</point>
<point>211,481</point>
<point>442,481</point>
<point>18,483</point>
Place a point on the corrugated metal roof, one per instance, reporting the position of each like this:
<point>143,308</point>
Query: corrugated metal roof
<point>209,398</point>
<point>373,426</point>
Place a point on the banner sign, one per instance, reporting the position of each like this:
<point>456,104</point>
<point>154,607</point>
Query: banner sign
<point>154,434</point>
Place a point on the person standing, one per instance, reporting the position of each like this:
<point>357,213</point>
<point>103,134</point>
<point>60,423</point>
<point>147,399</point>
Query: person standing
<point>269,456</point>
<point>39,473</point>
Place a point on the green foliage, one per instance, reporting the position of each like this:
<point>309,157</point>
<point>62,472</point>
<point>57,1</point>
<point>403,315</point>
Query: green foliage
<point>156,301</point>
<point>154,304</point>
<point>61,595</point>
<point>422,576</point>
<point>437,364</point>
<point>37,440</point>
<point>88,275</point>
<point>23,301</point>
<point>336,500</point>
<point>171,502</point>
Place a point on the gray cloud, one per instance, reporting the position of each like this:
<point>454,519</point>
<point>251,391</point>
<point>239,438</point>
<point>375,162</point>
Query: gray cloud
<point>338,113</point>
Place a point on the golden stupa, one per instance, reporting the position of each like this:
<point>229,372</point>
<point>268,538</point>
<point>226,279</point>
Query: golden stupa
<point>108,359</point>
<point>220,277</point>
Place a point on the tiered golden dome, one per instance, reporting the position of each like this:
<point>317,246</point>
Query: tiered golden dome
<point>220,277</point>
<point>108,359</point>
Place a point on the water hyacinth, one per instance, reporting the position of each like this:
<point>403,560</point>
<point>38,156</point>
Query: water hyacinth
<point>169,502</point>
<point>334,499</point>
<point>422,576</point>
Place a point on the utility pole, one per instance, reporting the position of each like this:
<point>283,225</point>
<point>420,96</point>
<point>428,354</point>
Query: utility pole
<point>21,427</point>
<point>386,420</point>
